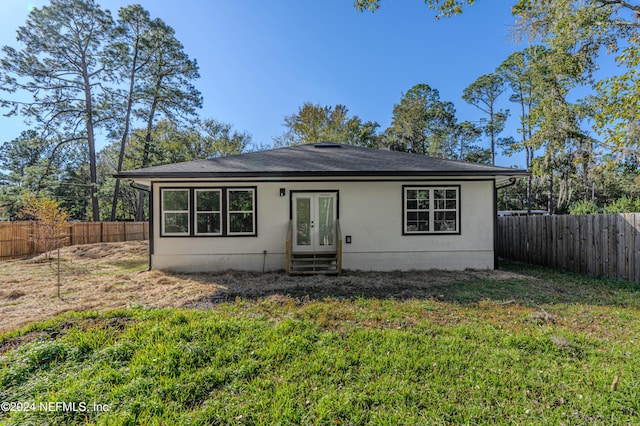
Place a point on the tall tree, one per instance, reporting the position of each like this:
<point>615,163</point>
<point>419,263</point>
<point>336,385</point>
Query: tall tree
<point>131,50</point>
<point>422,123</point>
<point>315,123</point>
<point>555,120</point>
<point>166,87</point>
<point>588,29</point>
<point>483,94</point>
<point>63,66</point>
<point>517,71</point>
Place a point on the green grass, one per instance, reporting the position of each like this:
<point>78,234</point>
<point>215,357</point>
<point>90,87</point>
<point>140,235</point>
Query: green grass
<point>466,358</point>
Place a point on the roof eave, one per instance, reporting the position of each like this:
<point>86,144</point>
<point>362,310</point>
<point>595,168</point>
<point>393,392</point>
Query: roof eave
<point>227,175</point>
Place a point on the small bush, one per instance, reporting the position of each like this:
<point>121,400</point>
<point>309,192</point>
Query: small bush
<point>584,207</point>
<point>625,204</point>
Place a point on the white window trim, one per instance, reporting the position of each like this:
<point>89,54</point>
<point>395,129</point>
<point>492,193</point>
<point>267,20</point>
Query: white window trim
<point>197,212</point>
<point>432,210</point>
<point>164,212</point>
<point>253,211</point>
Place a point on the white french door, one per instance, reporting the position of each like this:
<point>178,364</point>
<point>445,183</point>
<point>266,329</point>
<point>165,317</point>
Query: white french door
<point>314,217</point>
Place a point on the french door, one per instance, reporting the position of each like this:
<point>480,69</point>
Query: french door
<point>314,217</point>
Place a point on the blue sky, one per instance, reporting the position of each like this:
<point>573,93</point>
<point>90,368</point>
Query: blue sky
<point>261,60</point>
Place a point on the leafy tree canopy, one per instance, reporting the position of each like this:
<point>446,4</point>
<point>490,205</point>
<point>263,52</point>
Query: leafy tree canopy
<point>422,123</point>
<point>315,123</point>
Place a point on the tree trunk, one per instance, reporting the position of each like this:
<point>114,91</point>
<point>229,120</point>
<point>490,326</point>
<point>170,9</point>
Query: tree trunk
<point>493,136</point>
<point>529,160</point>
<point>92,145</point>
<point>147,148</point>
<point>125,133</point>
<point>550,205</point>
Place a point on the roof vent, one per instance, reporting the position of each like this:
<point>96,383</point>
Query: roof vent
<point>327,145</point>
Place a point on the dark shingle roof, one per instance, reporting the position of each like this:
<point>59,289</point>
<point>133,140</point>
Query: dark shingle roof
<point>320,160</point>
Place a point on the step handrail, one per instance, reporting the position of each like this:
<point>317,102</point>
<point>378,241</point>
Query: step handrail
<point>339,246</point>
<point>289,248</point>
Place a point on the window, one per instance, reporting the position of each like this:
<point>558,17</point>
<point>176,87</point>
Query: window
<point>208,212</point>
<point>431,210</point>
<point>241,217</point>
<point>417,210</point>
<point>175,212</point>
<point>213,211</point>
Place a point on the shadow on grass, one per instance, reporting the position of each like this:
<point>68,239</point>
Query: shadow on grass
<point>513,283</point>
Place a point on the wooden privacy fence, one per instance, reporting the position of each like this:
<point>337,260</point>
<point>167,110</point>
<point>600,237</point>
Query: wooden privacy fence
<point>601,245</point>
<point>15,241</point>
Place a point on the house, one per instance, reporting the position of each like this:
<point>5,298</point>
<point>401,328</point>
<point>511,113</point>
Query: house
<point>320,208</point>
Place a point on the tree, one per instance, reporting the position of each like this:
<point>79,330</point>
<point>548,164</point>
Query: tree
<point>166,86</point>
<point>316,123</point>
<point>63,67</point>
<point>51,220</point>
<point>555,121</point>
<point>422,123</point>
<point>586,29</point>
<point>517,72</point>
<point>208,138</point>
<point>25,162</point>
<point>483,94</point>
<point>466,135</point>
<point>617,101</point>
<point>443,7</point>
<point>131,49</point>
<point>31,166</point>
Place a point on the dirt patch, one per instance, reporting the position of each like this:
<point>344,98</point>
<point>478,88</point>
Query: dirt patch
<point>94,277</point>
<point>106,276</point>
<point>432,284</point>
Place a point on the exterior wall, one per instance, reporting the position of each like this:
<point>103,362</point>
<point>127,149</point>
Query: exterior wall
<point>371,212</point>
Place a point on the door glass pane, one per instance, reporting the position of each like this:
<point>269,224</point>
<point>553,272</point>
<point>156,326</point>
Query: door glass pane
<point>303,221</point>
<point>326,228</point>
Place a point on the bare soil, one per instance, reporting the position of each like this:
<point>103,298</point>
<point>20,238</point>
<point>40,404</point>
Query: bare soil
<point>107,276</point>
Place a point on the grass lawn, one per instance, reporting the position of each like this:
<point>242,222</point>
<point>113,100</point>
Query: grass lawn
<point>545,348</point>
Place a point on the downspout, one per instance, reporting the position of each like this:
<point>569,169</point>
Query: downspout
<point>134,185</point>
<point>512,181</point>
